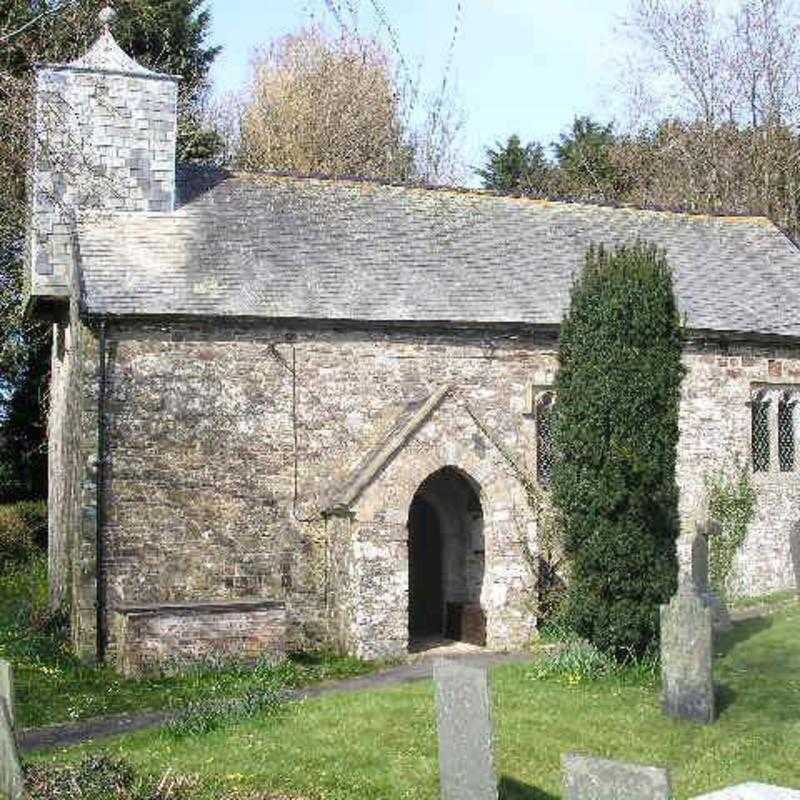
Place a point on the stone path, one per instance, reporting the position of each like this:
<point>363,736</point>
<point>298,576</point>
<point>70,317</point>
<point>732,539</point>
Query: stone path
<point>420,669</point>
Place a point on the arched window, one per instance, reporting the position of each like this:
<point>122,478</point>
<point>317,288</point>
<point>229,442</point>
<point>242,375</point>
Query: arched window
<point>759,408</point>
<point>544,439</point>
<point>786,431</point>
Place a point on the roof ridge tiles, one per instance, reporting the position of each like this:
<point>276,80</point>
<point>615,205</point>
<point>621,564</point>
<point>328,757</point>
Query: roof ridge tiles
<point>344,180</point>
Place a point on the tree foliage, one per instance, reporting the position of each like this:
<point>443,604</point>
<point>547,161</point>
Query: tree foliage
<point>585,166</point>
<point>167,35</point>
<point>715,102</point>
<point>615,434</point>
<point>325,105</point>
<point>512,168</point>
<point>716,96</point>
<point>728,168</point>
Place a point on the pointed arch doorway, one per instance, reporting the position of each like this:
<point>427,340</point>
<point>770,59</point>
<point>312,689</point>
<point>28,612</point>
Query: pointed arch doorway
<point>446,561</point>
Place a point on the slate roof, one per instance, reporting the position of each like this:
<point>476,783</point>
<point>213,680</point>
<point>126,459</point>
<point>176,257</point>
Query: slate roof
<point>287,247</point>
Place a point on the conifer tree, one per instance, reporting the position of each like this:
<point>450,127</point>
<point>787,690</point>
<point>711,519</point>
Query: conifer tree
<point>512,168</point>
<point>615,434</point>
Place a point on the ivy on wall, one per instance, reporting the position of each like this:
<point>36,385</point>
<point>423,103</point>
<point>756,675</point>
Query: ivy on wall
<point>732,504</point>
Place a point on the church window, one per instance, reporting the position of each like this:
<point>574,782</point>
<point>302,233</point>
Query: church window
<point>544,439</point>
<point>786,445</point>
<point>759,408</point>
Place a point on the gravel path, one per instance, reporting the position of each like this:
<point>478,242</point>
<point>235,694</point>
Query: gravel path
<point>74,733</point>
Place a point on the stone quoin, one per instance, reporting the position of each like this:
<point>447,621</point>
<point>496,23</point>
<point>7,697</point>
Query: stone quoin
<point>315,398</point>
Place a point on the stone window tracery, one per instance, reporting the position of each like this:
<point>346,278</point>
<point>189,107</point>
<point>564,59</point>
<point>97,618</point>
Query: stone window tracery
<point>760,433</point>
<point>544,439</point>
<point>786,444</point>
<point>773,430</point>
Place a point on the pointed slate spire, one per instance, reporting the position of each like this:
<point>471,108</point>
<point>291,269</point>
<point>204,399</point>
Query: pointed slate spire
<point>106,142</point>
<point>107,16</point>
<point>105,55</point>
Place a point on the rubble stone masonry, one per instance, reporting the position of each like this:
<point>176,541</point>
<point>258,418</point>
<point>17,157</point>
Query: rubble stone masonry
<point>226,441</point>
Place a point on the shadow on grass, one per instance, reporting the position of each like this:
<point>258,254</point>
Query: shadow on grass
<point>511,789</point>
<point>741,632</point>
<point>724,698</point>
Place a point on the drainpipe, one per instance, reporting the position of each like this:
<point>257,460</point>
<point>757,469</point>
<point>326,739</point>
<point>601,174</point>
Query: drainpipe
<point>101,478</point>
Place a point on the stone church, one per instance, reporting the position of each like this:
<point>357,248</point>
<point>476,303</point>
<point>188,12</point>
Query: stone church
<point>292,411</point>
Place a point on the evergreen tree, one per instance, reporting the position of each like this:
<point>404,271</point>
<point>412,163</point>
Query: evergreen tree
<point>583,155</point>
<point>167,35</point>
<point>616,433</point>
<point>514,169</point>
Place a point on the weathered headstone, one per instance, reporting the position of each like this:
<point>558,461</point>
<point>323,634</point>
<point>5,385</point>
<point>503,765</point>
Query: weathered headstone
<point>7,690</point>
<point>466,738</point>
<point>752,791</point>
<point>794,549</point>
<point>686,657</point>
<point>599,779</point>
<point>11,778</point>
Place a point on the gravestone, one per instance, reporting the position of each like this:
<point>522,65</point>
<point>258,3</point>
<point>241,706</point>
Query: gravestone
<point>599,779</point>
<point>11,779</point>
<point>7,690</point>
<point>466,739</point>
<point>753,791</point>
<point>686,657</point>
<point>794,549</point>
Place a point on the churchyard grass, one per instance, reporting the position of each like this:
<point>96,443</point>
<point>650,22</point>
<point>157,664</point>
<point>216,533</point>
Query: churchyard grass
<point>766,601</point>
<point>53,687</point>
<point>382,744</point>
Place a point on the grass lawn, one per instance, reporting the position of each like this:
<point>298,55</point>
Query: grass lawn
<point>383,744</point>
<point>53,687</point>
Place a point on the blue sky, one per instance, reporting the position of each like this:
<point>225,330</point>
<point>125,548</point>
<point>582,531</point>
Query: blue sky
<point>525,66</point>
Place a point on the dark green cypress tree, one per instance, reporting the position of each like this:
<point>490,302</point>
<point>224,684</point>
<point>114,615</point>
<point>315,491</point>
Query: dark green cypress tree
<point>616,434</point>
<point>514,168</point>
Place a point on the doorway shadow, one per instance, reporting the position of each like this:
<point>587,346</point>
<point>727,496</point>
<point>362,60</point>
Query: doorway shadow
<point>511,789</point>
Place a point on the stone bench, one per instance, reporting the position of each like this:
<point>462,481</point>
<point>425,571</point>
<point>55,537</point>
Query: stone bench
<point>168,637</point>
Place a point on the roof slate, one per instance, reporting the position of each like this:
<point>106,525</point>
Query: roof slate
<point>286,247</point>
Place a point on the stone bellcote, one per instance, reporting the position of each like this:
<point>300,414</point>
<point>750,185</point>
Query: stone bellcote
<point>104,141</point>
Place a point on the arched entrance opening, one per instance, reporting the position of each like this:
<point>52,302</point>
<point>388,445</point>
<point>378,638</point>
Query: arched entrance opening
<point>446,561</point>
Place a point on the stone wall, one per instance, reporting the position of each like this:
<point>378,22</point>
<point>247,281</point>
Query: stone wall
<point>462,432</point>
<point>715,425</point>
<point>225,442</point>
<point>164,638</point>
<point>73,462</point>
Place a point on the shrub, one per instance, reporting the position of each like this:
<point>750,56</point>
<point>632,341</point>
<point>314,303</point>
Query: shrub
<point>578,662</point>
<point>23,532</point>
<point>615,436</point>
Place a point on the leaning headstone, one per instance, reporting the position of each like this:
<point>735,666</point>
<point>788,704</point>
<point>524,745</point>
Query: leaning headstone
<point>753,791</point>
<point>11,777</point>
<point>466,738</point>
<point>599,779</point>
<point>686,657</point>
<point>7,690</point>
